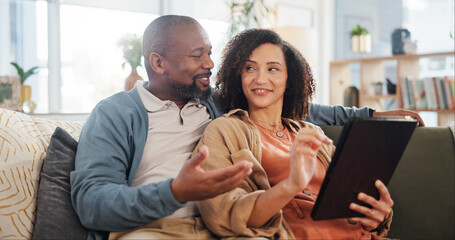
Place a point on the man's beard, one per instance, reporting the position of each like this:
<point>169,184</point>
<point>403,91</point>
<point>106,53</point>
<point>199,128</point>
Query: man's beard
<point>192,90</point>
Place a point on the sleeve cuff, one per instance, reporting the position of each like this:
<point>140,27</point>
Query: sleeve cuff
<point>371,111</point>
<point>167,197</point>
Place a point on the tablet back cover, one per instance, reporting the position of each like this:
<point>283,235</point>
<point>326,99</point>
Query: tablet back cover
<point>368,149</point>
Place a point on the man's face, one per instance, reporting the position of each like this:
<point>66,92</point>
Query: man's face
<point>188,62</point>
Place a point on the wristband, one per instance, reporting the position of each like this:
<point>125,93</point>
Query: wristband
<point>371,111</point>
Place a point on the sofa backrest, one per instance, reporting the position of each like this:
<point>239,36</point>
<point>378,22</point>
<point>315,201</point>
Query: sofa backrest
<point>423,185</point>
<point>23,144</point>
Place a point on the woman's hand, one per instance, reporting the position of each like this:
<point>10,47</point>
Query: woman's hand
<point>304,157</point>
<point>380,208</point>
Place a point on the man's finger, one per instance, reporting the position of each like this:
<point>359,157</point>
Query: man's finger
<point>199,158</point>
<point>232,182</point>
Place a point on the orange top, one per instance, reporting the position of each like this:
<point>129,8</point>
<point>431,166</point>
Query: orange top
<point>275,161</point>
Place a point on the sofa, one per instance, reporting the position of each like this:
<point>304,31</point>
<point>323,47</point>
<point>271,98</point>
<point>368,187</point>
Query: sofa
<point>422,186</point>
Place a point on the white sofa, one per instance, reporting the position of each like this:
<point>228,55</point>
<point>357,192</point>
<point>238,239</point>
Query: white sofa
<point>23,144</point>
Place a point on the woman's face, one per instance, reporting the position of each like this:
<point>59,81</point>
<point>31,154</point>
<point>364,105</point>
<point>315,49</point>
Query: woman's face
<point>264,78</point>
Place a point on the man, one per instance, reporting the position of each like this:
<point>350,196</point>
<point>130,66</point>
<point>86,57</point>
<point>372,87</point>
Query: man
<point>132,166</point>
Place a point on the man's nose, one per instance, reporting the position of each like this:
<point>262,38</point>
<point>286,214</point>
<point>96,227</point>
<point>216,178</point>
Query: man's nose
<point>208,63</point>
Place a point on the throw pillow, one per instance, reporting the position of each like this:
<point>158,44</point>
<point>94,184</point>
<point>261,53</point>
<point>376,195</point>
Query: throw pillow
<point>23,143</point>
<point>55,217</point>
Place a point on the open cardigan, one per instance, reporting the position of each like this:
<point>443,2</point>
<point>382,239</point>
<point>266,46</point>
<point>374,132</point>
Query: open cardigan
<point>233,138</point>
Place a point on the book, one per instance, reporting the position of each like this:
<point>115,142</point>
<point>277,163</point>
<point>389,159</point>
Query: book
<point>422,95</point>
<point>431,97</point>
<point>404,94</point>
<point>449,95</point>
<point>438,102</point>
<point>410,93</point>
<point>443,91</point>
<point>439,92</point>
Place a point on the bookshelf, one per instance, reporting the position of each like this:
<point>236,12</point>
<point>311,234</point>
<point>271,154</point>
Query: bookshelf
<point>372,70</point>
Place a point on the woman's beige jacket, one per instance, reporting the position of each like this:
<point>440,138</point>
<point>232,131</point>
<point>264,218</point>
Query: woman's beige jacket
<point>233,138</point>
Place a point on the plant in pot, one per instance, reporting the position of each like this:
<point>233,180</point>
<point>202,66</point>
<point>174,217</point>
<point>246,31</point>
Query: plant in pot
<point>26,90</point>
<point>242,11</point>
<point>360,39</point>
<point>131,46</point>
<point>378,88</point>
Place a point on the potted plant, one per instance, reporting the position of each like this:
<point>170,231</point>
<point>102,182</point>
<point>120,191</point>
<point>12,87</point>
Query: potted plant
<point>131,46</point>
<point>26,91</point>
<point>241,13</point>
<point>378,88</point>
<point>361,39</point>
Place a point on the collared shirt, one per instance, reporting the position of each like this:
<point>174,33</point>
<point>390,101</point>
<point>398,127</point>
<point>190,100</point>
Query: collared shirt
<point>172,136</point>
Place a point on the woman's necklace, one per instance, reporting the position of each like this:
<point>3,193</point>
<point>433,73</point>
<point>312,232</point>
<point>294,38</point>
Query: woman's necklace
<point>279,133</point>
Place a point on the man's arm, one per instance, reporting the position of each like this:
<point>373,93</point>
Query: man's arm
<point>334,115</point>
<point>100,190</point>
<point>106,153</point>
<point>339,115</point>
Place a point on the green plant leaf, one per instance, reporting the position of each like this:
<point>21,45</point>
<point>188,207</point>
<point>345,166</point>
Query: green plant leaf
<point>30,72</point>
<point>358,30</point>
<point>24,75</point>
<point>20,71</point>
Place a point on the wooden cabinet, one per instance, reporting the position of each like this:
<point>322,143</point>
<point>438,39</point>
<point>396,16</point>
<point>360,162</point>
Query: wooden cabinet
<point>373,70</point>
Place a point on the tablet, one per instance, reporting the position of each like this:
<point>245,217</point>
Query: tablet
<point>368,149</point>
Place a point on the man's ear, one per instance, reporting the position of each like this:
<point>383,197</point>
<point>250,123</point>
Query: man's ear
<point>156,62</point>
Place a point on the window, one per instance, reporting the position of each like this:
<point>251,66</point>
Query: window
<point>83,63</point>
<point>90,57</point>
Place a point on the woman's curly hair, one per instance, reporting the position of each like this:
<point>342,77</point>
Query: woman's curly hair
<point>300,84</point>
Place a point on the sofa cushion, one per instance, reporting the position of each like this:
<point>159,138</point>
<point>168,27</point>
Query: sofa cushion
<point>23,143</point>
<point>55,216</point>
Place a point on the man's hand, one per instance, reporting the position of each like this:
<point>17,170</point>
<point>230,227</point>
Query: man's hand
<point>193,183</point>
<point>402,113</point>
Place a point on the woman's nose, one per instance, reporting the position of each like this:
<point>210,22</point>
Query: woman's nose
<point>261,77</point>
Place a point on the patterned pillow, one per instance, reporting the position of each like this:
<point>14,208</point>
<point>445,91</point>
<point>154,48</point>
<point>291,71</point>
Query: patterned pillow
<point>23,144</point>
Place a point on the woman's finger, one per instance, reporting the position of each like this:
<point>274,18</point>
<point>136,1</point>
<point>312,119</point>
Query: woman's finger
<point>367,223</point>
<point>384,193</point>
<point>373,214</point>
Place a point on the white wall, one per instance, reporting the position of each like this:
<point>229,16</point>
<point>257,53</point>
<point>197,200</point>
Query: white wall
<point>320,27</point>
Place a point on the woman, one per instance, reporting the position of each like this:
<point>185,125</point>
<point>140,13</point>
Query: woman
<point>266,85</point>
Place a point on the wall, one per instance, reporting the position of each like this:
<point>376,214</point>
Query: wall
<point>380,17</point>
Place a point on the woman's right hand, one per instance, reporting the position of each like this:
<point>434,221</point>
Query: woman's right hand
<point>304,157</point>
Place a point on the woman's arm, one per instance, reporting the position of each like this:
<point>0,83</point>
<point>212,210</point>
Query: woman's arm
<point>302,166</point>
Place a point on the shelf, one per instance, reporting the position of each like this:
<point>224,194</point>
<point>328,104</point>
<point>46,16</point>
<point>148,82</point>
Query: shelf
<point>373,70</point>
<point>378,97</point>
<point>434,110</point>
<point>395,57</point>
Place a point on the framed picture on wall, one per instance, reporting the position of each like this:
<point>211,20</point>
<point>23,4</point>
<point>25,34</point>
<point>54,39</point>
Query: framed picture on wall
<point>10,93</point>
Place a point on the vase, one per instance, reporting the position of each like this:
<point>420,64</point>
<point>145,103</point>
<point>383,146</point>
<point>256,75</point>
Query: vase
<point>28,105</point>
<point>378,89</point>
<point>26,93</point>
<point>351,97</point>
<point>361,43</point>
<point>131,80</point>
